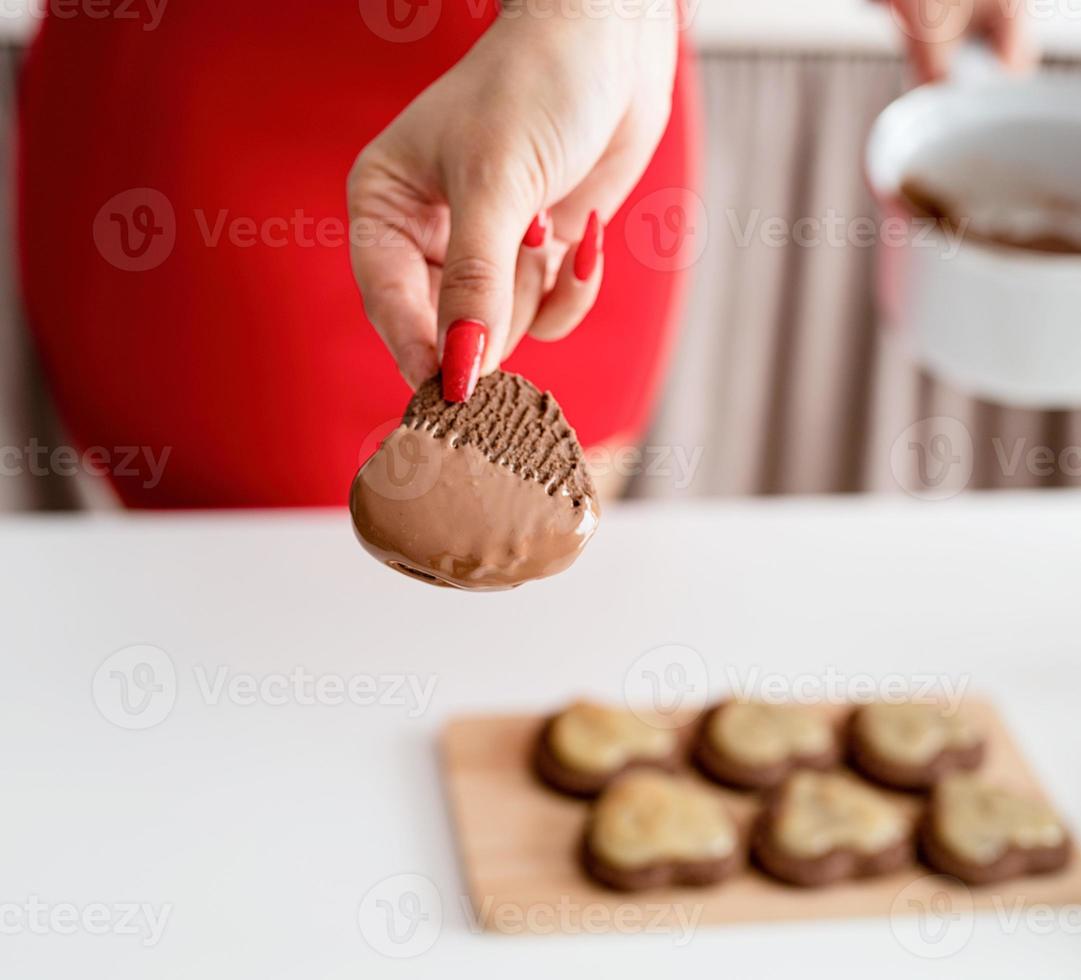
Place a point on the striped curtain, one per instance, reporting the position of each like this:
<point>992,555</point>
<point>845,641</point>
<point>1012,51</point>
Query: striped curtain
<point>783,381</point>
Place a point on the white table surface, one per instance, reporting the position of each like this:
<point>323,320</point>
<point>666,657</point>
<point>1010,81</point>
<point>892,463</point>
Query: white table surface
<point>263,826</point>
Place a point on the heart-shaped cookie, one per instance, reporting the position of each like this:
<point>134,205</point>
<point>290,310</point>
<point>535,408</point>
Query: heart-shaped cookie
<point>821,827</point>
<point>980,832</point>
<point>584,747</point>
<point>912,745</point>
<point>650,828</point>
<point>483,495</point>
<point>753,745</point>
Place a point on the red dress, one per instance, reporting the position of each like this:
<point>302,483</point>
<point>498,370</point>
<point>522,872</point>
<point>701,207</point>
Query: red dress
<point>185,262</point>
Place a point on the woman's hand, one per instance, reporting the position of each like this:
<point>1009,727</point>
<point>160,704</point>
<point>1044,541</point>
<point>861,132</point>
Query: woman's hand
<point>934,28</point>
<point>546,121</point>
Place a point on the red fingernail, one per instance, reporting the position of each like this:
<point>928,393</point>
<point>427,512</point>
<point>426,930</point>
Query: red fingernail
<point>589,248</point>
<point>462,353</point>
<point>537,231</point>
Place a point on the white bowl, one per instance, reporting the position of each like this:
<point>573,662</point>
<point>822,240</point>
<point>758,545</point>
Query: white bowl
<point>1000,322</point>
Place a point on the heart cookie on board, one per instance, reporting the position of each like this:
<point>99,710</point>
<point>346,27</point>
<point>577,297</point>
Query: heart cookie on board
<point>821,827</point>
<point>912,745</point>
<point>650,828</point>
<point>753,745</point>
<point>981,833</point>
<point>585,746</point>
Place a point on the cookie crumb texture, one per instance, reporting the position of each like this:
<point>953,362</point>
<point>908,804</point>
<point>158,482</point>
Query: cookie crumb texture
<point>513,423</point>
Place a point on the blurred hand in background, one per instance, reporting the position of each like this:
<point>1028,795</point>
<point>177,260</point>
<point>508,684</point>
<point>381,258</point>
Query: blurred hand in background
<point>934,29</point>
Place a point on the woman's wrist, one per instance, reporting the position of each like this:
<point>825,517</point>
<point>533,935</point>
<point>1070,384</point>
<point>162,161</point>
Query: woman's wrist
<point>619,38</point>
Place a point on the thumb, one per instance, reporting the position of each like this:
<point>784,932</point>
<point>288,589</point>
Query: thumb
<point>1013,45</point>
<point>478,283</point>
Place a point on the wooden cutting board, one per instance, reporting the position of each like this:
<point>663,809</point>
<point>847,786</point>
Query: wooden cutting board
<point>518,842</point>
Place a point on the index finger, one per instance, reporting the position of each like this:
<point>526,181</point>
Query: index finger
<point>391,270</point>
